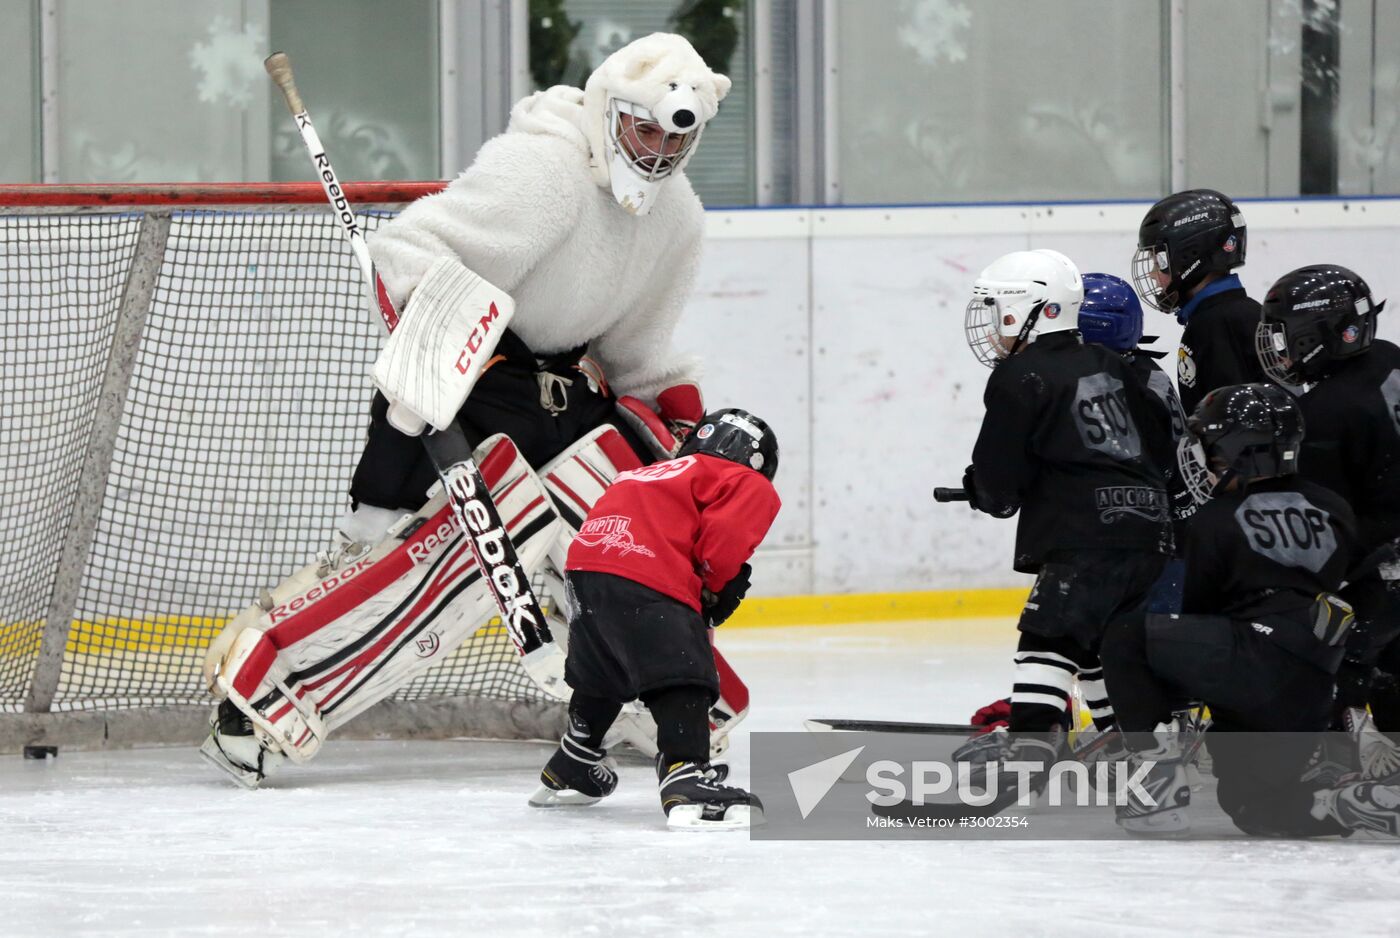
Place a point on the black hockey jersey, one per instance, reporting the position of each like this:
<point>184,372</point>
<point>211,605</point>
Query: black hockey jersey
<point>1271,547</point>
<point>1217,347</point>
<point>1352,439</point>
<point>1066,440</point>
<point>1170,420</point>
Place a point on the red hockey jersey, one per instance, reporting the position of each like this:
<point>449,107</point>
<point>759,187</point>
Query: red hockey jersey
<point>676,525</point>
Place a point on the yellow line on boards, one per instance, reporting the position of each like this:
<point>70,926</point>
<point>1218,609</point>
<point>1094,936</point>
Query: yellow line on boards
<point>771,611</point>
<point>195,632</point>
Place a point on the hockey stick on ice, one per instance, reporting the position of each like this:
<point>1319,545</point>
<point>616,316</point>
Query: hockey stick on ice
<point>448,449</point>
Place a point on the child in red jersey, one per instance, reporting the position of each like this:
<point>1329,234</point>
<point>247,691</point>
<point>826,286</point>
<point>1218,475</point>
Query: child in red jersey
<point>661,560</point>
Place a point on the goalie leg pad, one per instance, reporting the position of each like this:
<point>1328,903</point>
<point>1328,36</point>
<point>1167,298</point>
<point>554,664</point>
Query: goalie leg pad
<point>316,661</point>
<point>578,476</point>
<point>357,534</point>
<point>731,707</point>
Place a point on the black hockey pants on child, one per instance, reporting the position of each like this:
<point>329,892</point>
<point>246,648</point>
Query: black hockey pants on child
<point>1077,594</point>
<point>629,642</point>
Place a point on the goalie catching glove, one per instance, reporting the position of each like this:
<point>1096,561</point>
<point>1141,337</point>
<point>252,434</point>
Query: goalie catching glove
<point>678,409</point>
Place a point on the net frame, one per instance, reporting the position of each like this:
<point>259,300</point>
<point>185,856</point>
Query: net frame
<point>183,373</point>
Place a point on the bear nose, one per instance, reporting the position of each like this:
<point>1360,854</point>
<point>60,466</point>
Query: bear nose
<point>683,118</point>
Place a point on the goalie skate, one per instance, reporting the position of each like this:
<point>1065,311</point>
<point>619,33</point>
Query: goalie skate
<point>234,748</point>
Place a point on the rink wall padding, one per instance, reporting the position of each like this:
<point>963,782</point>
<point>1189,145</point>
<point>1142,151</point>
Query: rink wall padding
<point>843,328</point>
<point>436,718</point>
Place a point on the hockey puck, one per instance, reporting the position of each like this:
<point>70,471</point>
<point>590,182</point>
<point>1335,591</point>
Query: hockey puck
<point>40,752</point>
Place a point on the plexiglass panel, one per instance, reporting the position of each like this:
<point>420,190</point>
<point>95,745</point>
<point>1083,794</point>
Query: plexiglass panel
<point>722,169</point>
<point>19,105</point>
<point>955,100</point>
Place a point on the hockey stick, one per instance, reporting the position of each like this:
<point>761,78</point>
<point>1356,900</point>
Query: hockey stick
<point>448,449</point>
<point>941,494</point>
<point>889,726</point>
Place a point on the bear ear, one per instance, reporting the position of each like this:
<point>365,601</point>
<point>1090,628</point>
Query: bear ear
<point>639,67</point>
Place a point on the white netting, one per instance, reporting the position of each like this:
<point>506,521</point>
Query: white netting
<point>244,417</point>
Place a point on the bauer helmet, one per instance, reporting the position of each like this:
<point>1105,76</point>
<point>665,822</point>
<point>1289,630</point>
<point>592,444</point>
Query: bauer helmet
<point>644,110</point>
<point>738,436</point>
<point>1111,315</point>
<point>1018,298</point>
<point>1187,236</point>
<point>1246,431</point>
<point>1314,318</point>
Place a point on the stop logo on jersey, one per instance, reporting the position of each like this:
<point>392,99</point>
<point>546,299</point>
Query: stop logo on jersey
<point>1102,416</point>
<point>1288,529</point>
<point>677,525</point>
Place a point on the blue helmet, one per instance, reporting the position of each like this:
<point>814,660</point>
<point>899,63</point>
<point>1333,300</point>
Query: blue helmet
<point>1111,315</point>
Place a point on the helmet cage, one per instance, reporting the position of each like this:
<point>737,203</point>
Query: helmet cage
<point>985,325</point>
<point>1195,474</point>
<point>1271,347</point>
<point>648,164</point>
<point>1146,262</point>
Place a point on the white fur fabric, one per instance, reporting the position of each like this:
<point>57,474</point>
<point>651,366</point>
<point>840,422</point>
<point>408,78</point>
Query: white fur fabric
<point>529,216</point>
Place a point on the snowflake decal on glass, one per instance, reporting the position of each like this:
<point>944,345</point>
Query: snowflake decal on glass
<point>230,63</point>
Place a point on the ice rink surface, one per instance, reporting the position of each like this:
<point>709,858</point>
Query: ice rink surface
<point>435,838</point>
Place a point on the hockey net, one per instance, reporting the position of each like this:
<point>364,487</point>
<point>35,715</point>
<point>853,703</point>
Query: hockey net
<point>183,373</point>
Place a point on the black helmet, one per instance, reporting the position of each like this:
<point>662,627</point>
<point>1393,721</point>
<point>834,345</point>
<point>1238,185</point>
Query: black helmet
<point>1186,235</point>
<point>1314,318</point>
<point>738,436</point>
<point>1247,431</point>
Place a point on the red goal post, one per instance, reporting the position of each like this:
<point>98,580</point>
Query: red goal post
<point>184,377</point>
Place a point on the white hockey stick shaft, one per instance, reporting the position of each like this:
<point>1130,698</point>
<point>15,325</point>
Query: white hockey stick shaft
<point>451,455</point>
<point>279,67</point>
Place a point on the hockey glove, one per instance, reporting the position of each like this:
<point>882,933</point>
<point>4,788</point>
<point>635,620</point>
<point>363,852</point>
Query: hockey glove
<point>678,410</point>
<point>715,608</point>
<point>970,487</point>
<point>993,715</point>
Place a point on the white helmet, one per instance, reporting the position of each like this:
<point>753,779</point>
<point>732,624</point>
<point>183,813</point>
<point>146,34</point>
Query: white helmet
<point>1019,297</point>
<point>658,79</point>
